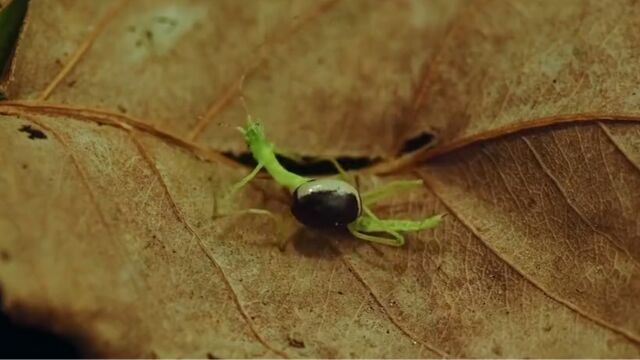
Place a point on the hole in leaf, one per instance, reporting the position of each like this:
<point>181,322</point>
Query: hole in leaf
<point>307,166</point>
<point>417,142</point>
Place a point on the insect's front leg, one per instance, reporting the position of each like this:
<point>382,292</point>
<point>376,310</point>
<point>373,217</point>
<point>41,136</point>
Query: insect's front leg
<point>245,180</point>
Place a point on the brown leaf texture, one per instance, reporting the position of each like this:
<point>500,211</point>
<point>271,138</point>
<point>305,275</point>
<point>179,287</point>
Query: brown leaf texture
<point>111,162</point>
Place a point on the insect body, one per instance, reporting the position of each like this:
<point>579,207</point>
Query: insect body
<point>333,203</point>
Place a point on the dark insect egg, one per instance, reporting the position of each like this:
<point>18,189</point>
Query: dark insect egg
<point>326,203</point>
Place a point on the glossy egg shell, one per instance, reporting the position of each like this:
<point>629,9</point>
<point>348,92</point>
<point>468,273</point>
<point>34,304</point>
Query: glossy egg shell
<point>326,203</point>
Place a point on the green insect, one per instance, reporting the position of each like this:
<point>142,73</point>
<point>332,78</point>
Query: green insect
<point>331,203</point>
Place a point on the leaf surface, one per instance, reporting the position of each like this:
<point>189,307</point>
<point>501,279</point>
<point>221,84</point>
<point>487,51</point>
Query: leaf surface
<point>111,154</point>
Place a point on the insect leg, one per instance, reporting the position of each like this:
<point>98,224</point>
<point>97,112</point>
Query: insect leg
<point>369,224</point>
<point>386,190</point>
<point>281,239</point>
<point>234,188</point>
<point>245,180</point>
<point>396,240</point>
<point>344,175</point>
<point>358,230</point>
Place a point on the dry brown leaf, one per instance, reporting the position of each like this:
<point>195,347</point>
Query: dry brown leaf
<point>110,162</point>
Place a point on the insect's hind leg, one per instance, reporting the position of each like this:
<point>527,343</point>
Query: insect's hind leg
<point>217,214</point>
<point>385,191</point>
<point>396,238</point>
<point>342,173</point>
<point>359,229</point>
<point>281,240</point>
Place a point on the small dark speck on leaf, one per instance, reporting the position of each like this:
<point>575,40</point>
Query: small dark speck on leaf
<point>122,109</point>
<point>4,255</point>
<point>296,343</point>
<point>148,34</point>
<point>497,350</point>
<point>71,83</point>
<point>25,166</point>
<point>211,356</point>
<point>33,133</point>
<point>340,293</point>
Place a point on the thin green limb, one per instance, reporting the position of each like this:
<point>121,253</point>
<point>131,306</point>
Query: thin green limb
<point>263,152</point>
<point>234,188</point>
<point>356,230</point>
<point>369,213</point>
<point>369,224</point>
<point>246,211</point>
<point>245,180</point>
<point>389,189</point>
<point>342,172</point>
<point>397,240</point>
<point>281,240</point>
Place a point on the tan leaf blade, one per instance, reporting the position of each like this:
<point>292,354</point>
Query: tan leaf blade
<point>110,159</point>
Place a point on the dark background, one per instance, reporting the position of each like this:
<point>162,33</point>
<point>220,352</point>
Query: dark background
<point>17,341</point>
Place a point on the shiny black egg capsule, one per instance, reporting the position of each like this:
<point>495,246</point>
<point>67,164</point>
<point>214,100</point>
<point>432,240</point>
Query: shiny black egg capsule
<point>326,203</point>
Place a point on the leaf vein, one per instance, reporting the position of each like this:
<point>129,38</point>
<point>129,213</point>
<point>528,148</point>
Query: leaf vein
<point>236,299</point>
<point>82,49</point>
<point>617,145</point>
<point>385,310</point>
<point>428,181</point>
<point>264,50</point>
<point>571,205</point>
